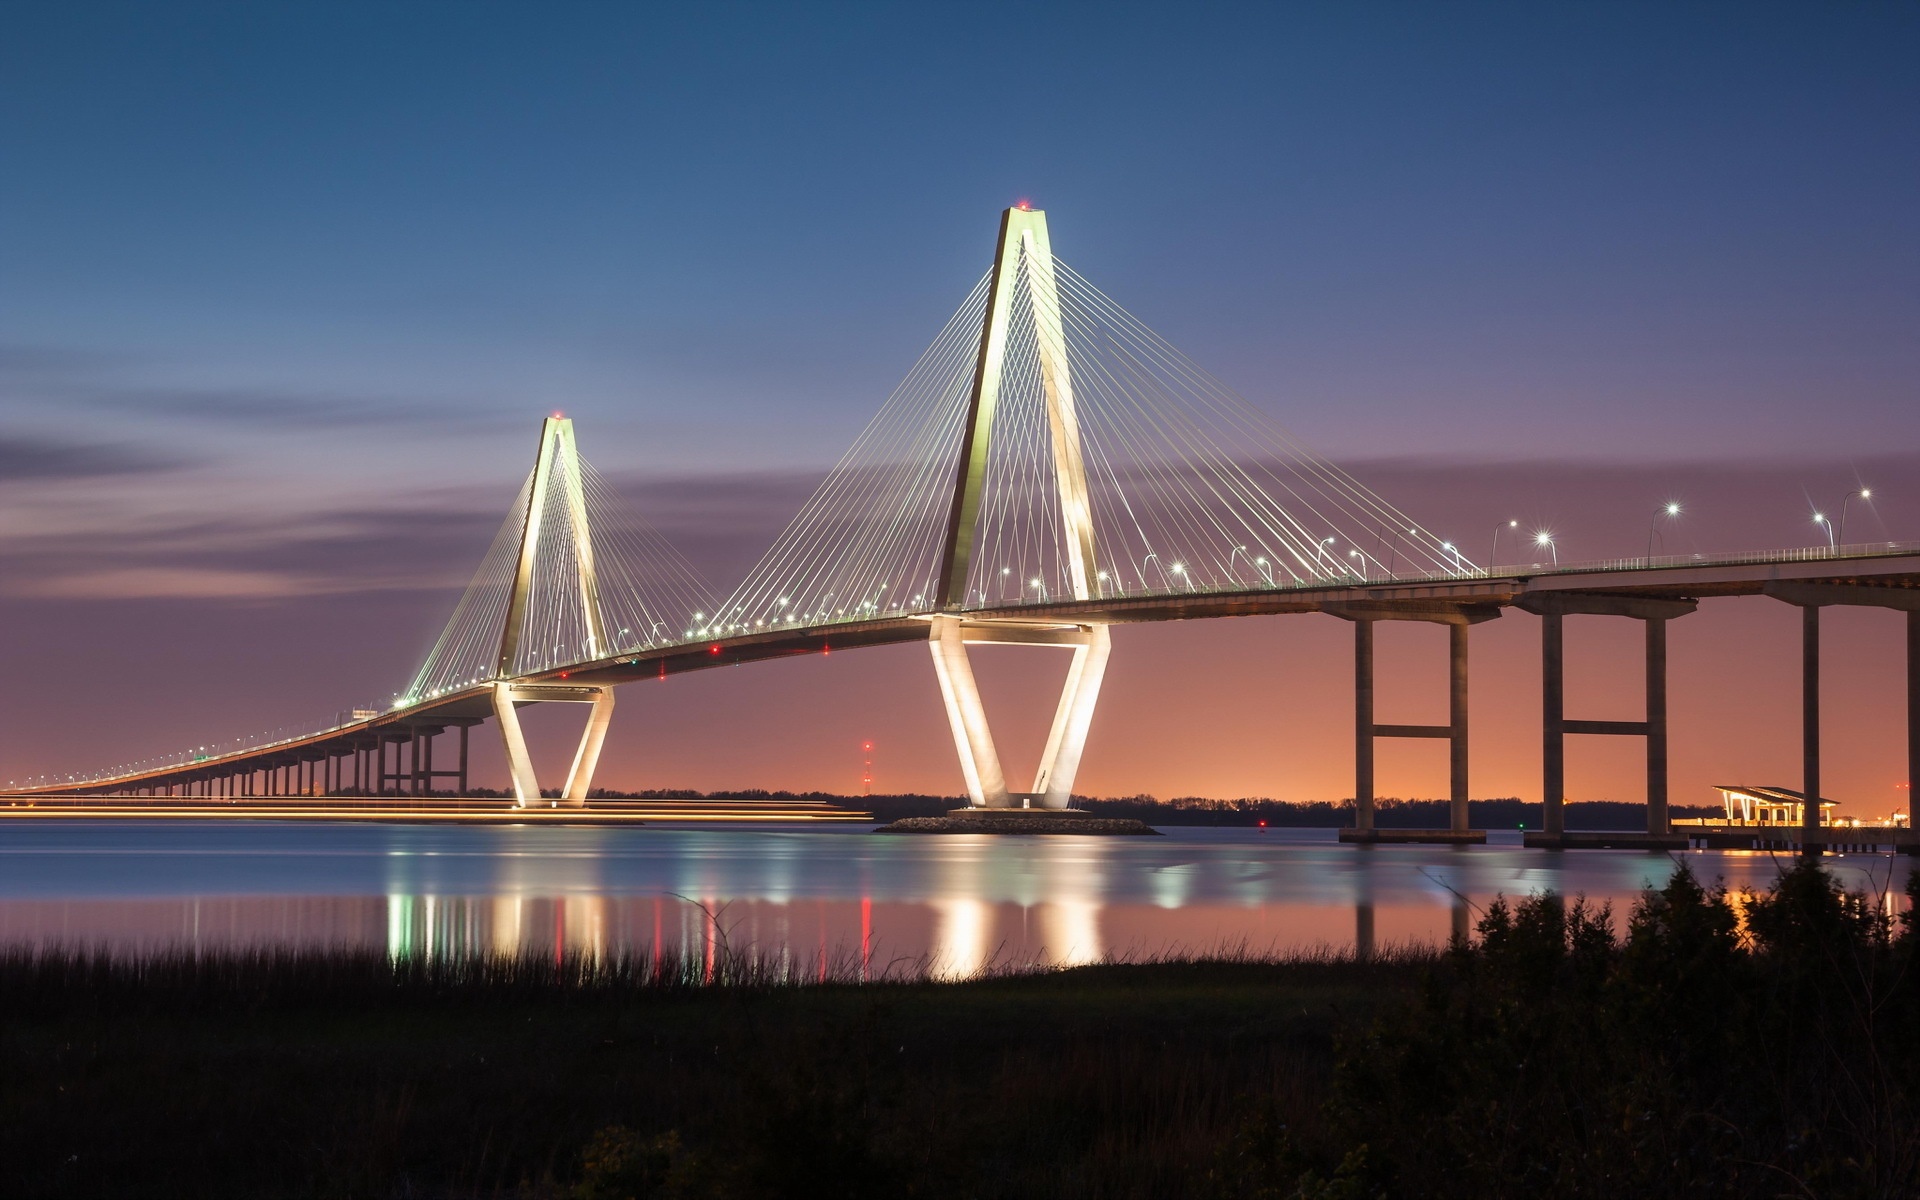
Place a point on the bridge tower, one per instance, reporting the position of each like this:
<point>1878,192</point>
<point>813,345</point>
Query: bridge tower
<point>556,467</point>
<point>1022,261</point>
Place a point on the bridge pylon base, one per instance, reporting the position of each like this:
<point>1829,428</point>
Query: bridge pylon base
<point>508,698</point>
<point>1052,790</point>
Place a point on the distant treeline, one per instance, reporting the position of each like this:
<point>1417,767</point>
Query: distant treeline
<point>1507,812</point>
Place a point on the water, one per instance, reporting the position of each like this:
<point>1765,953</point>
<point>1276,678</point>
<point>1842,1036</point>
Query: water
<point>807,896</point>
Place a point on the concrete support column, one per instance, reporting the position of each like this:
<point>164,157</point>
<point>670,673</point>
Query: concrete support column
<point>587,757</point>
<point>1363,732</point>
<point>526,786</point>
<point>426,765</point>
<point>1810,725</point>
<point>967,717</point>
<point>1553,724</point>
<point>463,758</point>
<point>1657,822</point>
<point>1067,742</point>
<point>1457,722</point>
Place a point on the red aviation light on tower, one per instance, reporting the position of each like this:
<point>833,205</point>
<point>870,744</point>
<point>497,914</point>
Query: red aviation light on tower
<point>1023,204</point>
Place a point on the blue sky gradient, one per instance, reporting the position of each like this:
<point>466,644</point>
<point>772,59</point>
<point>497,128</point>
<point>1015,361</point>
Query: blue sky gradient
<point>284,289</point>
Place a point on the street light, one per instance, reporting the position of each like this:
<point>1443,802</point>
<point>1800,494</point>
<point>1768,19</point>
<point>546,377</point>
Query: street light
<point>1833,542</point>
<point>1493,551</point>
<point>1669,510</point>
<point>1543,538</point>
<point>1864,494</point>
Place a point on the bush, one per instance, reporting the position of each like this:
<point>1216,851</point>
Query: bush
<point>1726,1045</point>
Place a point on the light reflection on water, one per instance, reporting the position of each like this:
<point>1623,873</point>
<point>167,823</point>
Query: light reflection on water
<point>806,898</point>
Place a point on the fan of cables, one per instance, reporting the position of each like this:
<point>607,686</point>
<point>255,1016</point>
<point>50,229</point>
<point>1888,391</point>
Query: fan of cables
<point>1190,487</point>
<point>600,583</point>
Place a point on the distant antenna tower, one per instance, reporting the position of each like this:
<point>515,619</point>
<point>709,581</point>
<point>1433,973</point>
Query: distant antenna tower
<point>866,769</point>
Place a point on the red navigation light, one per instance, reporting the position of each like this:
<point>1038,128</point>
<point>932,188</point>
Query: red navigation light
<point>1263,824</point>
<point>1024,205</point>
<point>713,649</point>
<point>825,648</point>
<point>563,674</point>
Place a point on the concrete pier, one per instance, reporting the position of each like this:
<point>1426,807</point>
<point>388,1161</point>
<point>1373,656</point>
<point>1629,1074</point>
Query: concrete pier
<point>1555,725</point>
<point>1458,619</point>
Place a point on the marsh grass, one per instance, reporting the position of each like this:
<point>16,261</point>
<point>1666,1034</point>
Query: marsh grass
<point>1701,1045</point>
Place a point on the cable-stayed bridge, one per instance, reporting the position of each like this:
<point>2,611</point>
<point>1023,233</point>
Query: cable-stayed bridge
<point>1048,469</point>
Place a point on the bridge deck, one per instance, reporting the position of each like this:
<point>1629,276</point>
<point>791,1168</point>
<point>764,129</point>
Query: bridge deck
<point>1469,597</point>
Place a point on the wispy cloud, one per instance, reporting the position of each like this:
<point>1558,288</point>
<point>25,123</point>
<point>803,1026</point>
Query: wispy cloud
<point>243,558</point>
<point>127,386</point>
<point>41,459</point>
<point>275,410</point>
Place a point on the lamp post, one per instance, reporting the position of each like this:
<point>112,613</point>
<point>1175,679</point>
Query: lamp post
<point>1864,494</point>
<point>1543,538</point>
<point>1669,510</point>
<point>1493,550</point>
<point>1449,548</point>
<point>1820,519</point>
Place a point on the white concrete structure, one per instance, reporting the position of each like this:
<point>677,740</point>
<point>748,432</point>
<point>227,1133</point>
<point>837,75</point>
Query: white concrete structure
<point>1023,260</point>
<point>558,457</point>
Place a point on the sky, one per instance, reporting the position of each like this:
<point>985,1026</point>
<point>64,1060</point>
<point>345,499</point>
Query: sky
<point>285,291</point>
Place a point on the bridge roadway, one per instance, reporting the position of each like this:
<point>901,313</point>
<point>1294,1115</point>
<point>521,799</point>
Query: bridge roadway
<point>1887,575</point>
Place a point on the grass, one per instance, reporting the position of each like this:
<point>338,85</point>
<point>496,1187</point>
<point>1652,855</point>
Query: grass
<point>1703,1046</point>
<point>344,1074</point>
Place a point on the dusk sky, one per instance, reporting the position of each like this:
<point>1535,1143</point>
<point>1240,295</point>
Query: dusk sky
<point>285,291</point>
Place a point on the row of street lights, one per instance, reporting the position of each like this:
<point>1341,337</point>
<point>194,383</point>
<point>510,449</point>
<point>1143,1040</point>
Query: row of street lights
<point>1542,540</point>
<point>1835,538</point>
<point>1669,511</point>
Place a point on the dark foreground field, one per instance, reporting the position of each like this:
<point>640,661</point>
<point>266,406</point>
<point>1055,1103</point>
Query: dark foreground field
<point>1565,1053</point>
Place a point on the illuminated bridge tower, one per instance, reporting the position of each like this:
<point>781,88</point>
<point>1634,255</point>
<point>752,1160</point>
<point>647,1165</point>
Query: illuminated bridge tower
<point>1023,270</point>
<point>557,483</point>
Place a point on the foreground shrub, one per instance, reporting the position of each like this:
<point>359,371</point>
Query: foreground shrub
<point>1695,1054</point>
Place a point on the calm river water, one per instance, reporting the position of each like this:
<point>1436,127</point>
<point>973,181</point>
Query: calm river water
<point>807,896</point>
